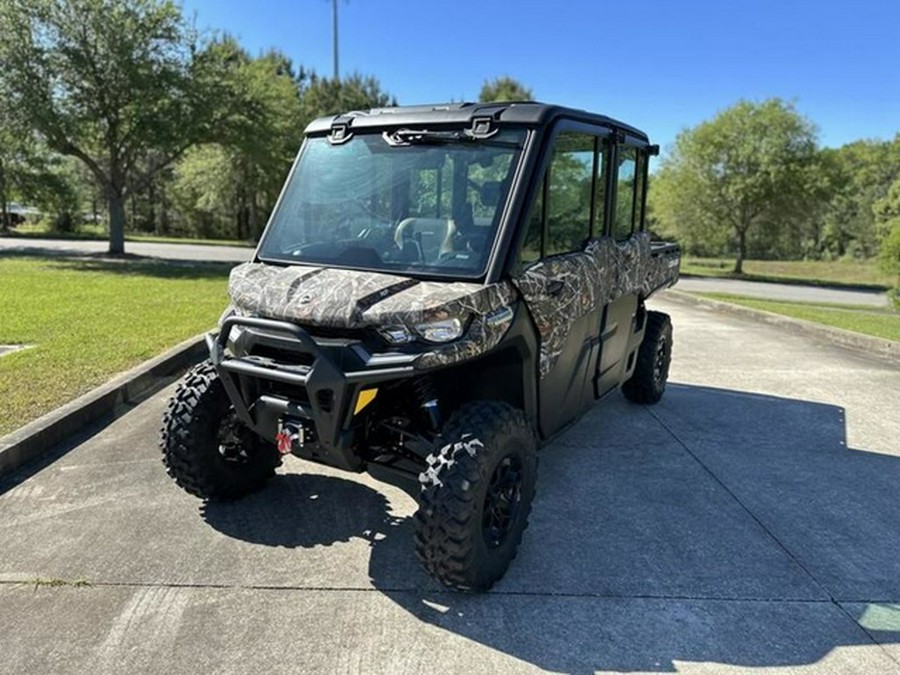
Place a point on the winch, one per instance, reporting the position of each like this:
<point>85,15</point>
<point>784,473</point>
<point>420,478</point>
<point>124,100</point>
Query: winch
<point>294,434</point>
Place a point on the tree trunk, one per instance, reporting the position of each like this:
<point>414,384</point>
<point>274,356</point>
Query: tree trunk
<point>151,200</point>
<point>253,225</point>
<point>163,227</point>
<point>240,215</point>
<point>4,216</point>
<point>116,222</point>
<point>741,252</point>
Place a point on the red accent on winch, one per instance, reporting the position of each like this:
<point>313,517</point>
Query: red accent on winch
<point>284,442</point>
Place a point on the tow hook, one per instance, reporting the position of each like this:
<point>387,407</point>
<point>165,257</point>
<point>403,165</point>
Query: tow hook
<point>292,434</point>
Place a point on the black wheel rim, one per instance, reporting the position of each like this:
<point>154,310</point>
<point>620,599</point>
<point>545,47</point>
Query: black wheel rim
<point>502,501</point>
<point>661,360</point>
<point>233,444</point>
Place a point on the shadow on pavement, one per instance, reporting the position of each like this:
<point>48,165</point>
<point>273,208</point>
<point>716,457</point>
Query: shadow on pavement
<point>128,264</point>
<point>304,511</point>
<point>716,527</point>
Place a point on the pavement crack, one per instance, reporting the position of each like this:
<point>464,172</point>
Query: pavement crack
<point>677,597</point>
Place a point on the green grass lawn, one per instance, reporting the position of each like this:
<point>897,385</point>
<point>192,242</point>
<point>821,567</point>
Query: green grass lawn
<point>92,232</point>
<point>92,319</point>
<point>863,273</point>
<point>883,323</point>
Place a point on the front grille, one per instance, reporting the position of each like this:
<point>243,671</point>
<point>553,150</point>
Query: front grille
<point>337,333</point>
<point>282,355</point>
<point>325,400</point>
<point>292,393</point>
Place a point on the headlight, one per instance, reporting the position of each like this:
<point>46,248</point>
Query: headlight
<point>396,335</point>
<point>445,330</point>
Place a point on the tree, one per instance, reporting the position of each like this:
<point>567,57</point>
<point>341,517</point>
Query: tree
<point>228,187</point>
<point>504,88</point>
<point>887,216</point>
<point>753,163</point>
<point>19,161</point>
<point>204,192</point>
<point>107,81</point>
<point>323,96</point>
<point>29,172</point>
<point>864,170</point>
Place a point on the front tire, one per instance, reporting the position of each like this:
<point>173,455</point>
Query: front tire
<point>476,496</point>
<point>206,449</point>
<point>651,373</point>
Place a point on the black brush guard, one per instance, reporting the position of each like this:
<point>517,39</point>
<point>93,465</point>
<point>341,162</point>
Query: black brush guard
<point>324,392</point>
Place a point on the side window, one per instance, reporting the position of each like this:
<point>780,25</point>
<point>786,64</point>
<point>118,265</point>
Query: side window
<point>640,182</point>
<point>531,245</point>
<point>623,223</point>
<point>569,193</point>
<point>600,189</point>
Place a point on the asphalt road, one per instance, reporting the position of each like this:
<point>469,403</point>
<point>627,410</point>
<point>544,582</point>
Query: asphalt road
<point>791,292</point>
<point>749,520</point>
<point>149,249</point>
<point>240,254</point>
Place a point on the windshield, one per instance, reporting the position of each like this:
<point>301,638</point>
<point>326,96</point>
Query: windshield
<point>410,203</point>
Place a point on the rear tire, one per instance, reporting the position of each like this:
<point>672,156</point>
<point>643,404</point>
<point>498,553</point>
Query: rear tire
<point>206,449</point>
<point>476,496</point>
<point>648,382</point>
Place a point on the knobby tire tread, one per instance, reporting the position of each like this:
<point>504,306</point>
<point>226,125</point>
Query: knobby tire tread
<point>448,520</point>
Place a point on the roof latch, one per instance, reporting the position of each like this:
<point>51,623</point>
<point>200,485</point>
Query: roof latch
<point>340,133</point>
<point>482,127</point>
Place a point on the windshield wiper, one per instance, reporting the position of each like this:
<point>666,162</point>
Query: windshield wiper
<point>402,137</point>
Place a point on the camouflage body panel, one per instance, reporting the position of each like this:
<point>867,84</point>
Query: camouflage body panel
<point>479,306</point>
<point>662,268</point>
<point>339,298</point>
<point>604,271</point>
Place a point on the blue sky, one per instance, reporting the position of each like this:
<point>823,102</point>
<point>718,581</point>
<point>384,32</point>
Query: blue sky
<point>661,65</point>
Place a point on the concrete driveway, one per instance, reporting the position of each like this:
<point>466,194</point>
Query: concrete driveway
<point>749,520</point>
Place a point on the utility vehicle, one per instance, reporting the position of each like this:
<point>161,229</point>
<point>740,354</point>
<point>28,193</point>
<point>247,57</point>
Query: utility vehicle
<point>439,290</point>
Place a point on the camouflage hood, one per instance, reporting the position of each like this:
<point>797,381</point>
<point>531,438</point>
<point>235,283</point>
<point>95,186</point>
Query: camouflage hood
<point>339,298</point>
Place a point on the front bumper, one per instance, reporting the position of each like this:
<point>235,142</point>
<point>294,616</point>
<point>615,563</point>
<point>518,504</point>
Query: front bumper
<point>316,382</point>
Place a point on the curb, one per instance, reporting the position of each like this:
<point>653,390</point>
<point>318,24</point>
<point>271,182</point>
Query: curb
<point>872,346</point>
<point>44,433</point>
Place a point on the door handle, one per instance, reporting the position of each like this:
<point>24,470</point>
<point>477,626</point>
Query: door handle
<point>555,287</point>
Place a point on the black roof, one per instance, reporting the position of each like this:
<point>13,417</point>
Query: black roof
<point>528,113</point>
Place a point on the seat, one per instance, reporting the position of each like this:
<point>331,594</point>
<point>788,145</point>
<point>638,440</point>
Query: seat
<point>467,236</point>
<point>424,239</point>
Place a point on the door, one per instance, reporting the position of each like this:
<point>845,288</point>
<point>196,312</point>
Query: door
<point>618,325</point>
<point>557,278</point>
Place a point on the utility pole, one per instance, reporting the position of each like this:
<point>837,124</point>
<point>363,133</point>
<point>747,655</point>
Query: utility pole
<point>334,13</point>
